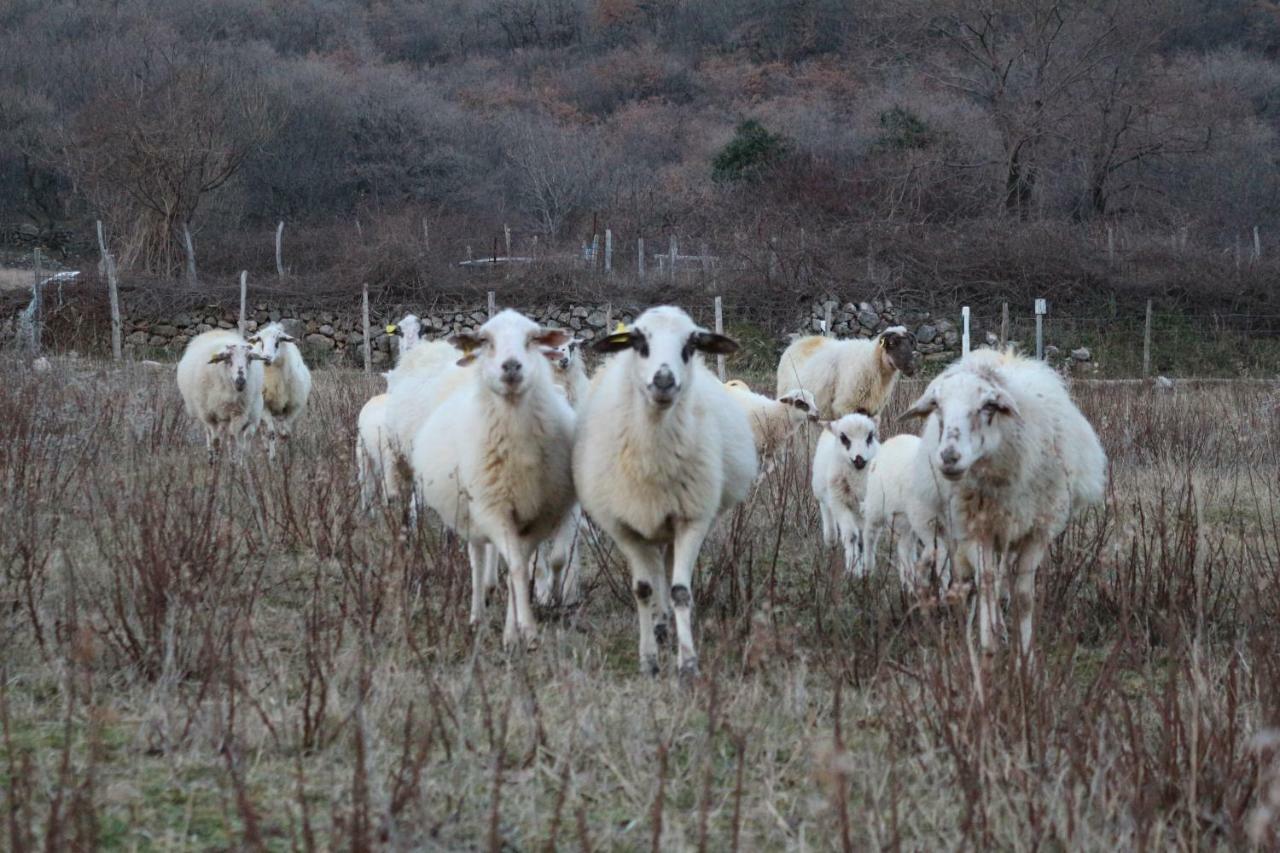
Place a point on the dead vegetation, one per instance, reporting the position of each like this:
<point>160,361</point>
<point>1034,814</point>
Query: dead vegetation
<point>223,657</point>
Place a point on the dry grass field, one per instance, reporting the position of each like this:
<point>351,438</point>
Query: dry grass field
<point>202,657</point>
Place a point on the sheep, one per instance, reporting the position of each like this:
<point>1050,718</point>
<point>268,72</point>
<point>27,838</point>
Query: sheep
<point>773,422</point>
<point>1014,459</point>
<point>899,499</point>
<point>556,574</point>
<point>839,482</point>
<point>375,455</point>
<point>848,375</point>
<point>220,378</point>
<point>286,382</point>
<point>493,457</point>
<point>661,452</point>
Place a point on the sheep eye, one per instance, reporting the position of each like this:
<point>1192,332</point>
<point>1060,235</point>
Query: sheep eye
<point>870,438</point>
<point>640,344</point>
<point>844,439</point>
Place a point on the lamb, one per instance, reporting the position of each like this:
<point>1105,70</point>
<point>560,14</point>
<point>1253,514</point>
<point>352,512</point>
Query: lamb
<point>286,382</point>
<point>773,422</point>
<point>839,483</point>
<point>848,375</point>
<point>661,453</point>
<point>220,379</point>
<point>493,458</point>
<point>905,503</point>
<point>1014,459</point>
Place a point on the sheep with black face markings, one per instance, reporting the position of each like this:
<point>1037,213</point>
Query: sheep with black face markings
<point>845,376</point>
<point>220,379</point>
<point>661,452</point>
<point>286,384</point>
<point>493,457</point>
<point>1013,459</point>
<point>773,422</point>
<point>845,449</point>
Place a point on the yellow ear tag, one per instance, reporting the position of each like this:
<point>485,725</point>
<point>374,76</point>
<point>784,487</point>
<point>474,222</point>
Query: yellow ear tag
<point>620,329</point>
<point>391,328</point>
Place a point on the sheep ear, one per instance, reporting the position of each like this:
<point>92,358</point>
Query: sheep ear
<point>921,408</point>
<point>551,354</point>
<point>466,341</point>
<point>288,339</point>
<point>713,343</point>
<point>466,359</point>
<point>796,400</point>
<point>220,357</point>
<point>257,356</point>
<point>551,337</point>
<point>615,342</point>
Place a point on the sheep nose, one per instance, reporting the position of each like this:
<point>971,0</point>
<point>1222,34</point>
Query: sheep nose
<point>664,379</point>
<point>240,382</point>
<point>949,455</point>
<point>511,369</point>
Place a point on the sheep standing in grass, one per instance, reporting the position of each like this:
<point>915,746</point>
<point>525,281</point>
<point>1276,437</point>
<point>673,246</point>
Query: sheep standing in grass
<point>220,379</point>
<point>903,499</point>
<point>845,376</point>
<point>773,422</point>
<point>845,449</point>
<point>286,383</point>
<point>493,458</point>
<point>662,451</point>
<point>1014,459</point>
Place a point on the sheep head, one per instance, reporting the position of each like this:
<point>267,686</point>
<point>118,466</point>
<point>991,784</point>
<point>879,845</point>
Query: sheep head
<point>898,349</point>
<point>802,403</point>
<point>238,358</point>
<point>663,342</point>
<point>968,413</point>
<point>269,339</point>
<point>409,330</point>
<point>562,356</point>
<point>508,349</point>
<point>857,434</point>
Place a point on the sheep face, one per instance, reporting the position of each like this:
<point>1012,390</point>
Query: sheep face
<point>409,330</point>
<point>967,413</point>
<point>663,342</point>
<point>802,403</point>
<point>237,358</point>
<point>509,351</point>
<point>564,355</point>
<point>857,436</point>
<point>897,348</point>
<point>269,339</point>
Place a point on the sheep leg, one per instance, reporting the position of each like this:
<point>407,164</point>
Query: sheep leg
<point>490,572</point>
<point>688,543</point>
<point>870,542</point>
<point>211,442</point>
<point>645,562</point>
<point>851,537</point>
<point>1024,599</point>
<point>518,552</point>
<point>987,604</point>
<point>907,574</point>
<point>828,525</point>
<point>664,619</point>
<point>477,554</point>
<point>271,435</point>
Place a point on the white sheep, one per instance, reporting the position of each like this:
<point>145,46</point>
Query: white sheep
<point>493,457</point>
<point>662,451</point>
<point>845,376</point>
<point>901,498</point>
<point>1013,459</point>
<point>220,379</point>
<point>773,422</point>
<point>846,447</point>
<point>286,384</point>
<point>556,574</point>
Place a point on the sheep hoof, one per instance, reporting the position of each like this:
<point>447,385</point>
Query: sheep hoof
<point>689,671</point>
<point>661,635</point>
<point>530,635</point>
<point>649,666</point>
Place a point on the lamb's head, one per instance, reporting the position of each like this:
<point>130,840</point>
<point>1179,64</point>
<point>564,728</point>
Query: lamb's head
<point>508,350</point>
<point>409,330</point>
<point>662,344</point>
<point>898,349</point>
<point>268,341</point>
<point>968,412</point>
<point>856,433</point>
<point>565,355</point>
<point>802,403</point>
<point>238,360</point>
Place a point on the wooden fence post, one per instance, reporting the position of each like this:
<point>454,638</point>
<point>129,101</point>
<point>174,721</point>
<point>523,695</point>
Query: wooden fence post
<point>827,331</point>
<point>1111,245</point>
<point>720,331</point>
<point>426,235</point>
<point>37,298</point>
<point>705,256</point>
<point>280,249</point>
<point>493,304</point>
<point>1042,308</point>
<point>368,344</point>
<point>113,294</point>
<point>1146,344</point>
<point>964,334</point>
<point>673,251</point>
<point>608,318</point>
<point>1257,244</point>
<point>640,256</point>
<point>608,250</point>
<point>1004,325</point>
<point>506,237</point>
<point>190,249</point>
<point>244,298</point>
